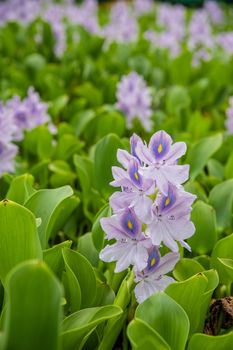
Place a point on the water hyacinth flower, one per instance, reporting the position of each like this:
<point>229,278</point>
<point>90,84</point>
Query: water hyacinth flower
<point>170,220</point>
<point>122,27</point>
<point>229,120</point>
<point>151,210</point>
<point>17,116</point>
<point>8,151</point>
<point>142,7</point>
<point>27,114</point>
<point>161,159</point>
<point>134,99</point>
<point>131,245</point>
<point>153,278</point>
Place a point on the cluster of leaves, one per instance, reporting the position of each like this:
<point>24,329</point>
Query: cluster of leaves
<point>52,296</point>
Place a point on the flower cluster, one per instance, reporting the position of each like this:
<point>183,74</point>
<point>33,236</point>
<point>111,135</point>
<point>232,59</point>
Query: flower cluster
<point>17,116</point>
<point>122,27</point>
<point>229,120</point>
<point>134,99</point>
<point>151,210</point>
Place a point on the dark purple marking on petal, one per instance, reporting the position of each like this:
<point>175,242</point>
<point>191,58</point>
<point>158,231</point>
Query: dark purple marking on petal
<point>130,223</point>
<point>134,174</point>
<point>160,145</point>
<point>133,144</point>
<point>153,260</point>
<point>168,201</point>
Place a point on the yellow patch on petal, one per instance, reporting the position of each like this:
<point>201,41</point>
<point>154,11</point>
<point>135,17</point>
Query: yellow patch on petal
<point>153,262</point>
<point>130,225</point>
<point>167,201</point>
<point>136,175</point>
<point>160,148</point>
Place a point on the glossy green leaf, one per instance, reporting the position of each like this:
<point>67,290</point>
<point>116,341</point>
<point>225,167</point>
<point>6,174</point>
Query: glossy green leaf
<point>201,152</point>
<point>228,171</point>
<point>204,219</point>
<point>77,327</point>
<point>221,198</point>
<point>54,259</point>
<point>208,342</point>
<point>19,239</point>
<point>114,326</point>
<point>142,336</point>
<point>97,232</point>
<point>33,312</point>
<point>188,294</point>
<point>186,268</point>
<point>167,318</point>
<point>53,206</point>
<point>84,273</point>
<point>105,158</point>
<point>21,188</point>
<point>222,251</point>
<point>86,247</point>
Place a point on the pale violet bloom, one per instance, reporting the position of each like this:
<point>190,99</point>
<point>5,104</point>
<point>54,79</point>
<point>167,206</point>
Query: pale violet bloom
<point>142,7</point>
<point>171,219</point>
<point>27,114</point>
<point>229,120</point>
<point>214,11</point>
<point>136,190</point>
<point>153,278</point>
<point>131,244</point>
<point>7,126</point>
<point>135,100</point>
<point>8,152</point>
<point>161,157</point>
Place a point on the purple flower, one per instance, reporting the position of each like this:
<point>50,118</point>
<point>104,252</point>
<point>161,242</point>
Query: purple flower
<point>123,26</point>
<point>225,41</point>
<point>7,126</point>
<point>200,31</point>
<point>161,159</point>
<point>136,190</point>
<point>134,99</point>
<point>142,7</point>
<point>8,152</point>
<point>171,219</point>
<point>131,245</point>
<point>214,11</point>
<point>229,120</point>
<point>27,114</point>
<point>152,209</point>
<point>153,278</point>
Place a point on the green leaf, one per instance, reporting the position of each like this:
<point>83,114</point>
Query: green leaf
<point>188,294</point>
<point>105,158</point>
<point>221,198</point>
<point>84,273</point>
<point>208,342</point>
<point>33,311</point>
<point>77,327</point>
<point>228,171</point>
<point>221,254</point>
<point>142,336</point>
<point>167,318</point>
<point>19,240</point>
<point>53,206</point>
<point>204,218</point>
<point>177,100</point>
<point>201,152</point>
<point>114,326</point>
<point>21,188</point>
<point>97,232</point>
<point>186,268</point>
<point>87,248</point>
<point>54,259</point>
